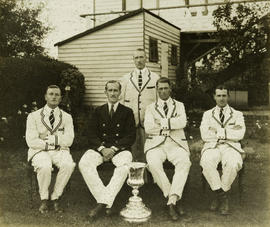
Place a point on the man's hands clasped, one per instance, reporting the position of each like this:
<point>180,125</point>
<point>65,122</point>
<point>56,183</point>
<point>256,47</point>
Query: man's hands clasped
<point>108,154</point>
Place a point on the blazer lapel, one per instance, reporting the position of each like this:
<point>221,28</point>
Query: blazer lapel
<point>228,116</point>
<point>58,121</point>
<point>159,110</point>
<point>133,82</point>
<point>45,121</point>
<point>172,108</point>
<point>147,81</point>
<point>215,115</point>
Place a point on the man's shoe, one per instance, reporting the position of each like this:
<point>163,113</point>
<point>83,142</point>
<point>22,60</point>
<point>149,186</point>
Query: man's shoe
<point>172,212</point>
<point>43,206</point>
<point>100,207</point>
<point>180,208</point>
<point>109,211</point>
<point>214,204</point>
<point>224,206</point>
<point>56,206</point>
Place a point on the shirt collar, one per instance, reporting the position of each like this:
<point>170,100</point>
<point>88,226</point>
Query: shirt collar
<point>225,108</point>
<point>115,105</point>
<point>142,70</point>
<point>161,102</point>
<point>48,110</point>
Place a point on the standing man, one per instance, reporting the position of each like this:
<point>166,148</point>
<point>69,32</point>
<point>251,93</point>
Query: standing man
<point>112,132</point>
<point>49,134</point>
<point>164,123</point>
<point>138,91</point>
<point>221,129</point>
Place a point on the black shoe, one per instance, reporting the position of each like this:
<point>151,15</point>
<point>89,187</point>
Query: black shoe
<point>43,209</point>
<point>180,208</point>
<point>56,206</point>
<point>224,206</point>
<point>214,204</point>
<point>100,207</point>
<point>172,212</point>
<point>109,211</point>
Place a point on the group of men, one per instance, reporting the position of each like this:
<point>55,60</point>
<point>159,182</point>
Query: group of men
<point>141,122</point>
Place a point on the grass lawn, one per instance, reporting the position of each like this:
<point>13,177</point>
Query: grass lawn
<point>253,211</point>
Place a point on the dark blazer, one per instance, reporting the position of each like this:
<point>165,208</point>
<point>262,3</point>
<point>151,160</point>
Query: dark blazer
<point>119,131</point>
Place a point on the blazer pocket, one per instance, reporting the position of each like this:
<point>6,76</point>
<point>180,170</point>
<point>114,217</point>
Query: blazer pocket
<point>126,100</point>
<point>150,87</point>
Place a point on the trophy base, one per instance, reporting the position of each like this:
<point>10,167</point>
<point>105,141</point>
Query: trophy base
<point>135,211</point>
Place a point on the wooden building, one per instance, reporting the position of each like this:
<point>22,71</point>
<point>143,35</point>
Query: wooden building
<point>106,51</point>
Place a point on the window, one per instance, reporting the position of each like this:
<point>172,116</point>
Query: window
<point>174,59</point>
<point>153,50</point>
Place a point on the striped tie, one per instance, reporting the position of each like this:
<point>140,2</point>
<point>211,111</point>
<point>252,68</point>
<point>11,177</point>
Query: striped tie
<point>221,115</point>
<point>140,80</point>
<point>51,118</point>
<point>165,108</point>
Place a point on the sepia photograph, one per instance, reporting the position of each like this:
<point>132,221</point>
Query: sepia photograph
<point>144,113</point>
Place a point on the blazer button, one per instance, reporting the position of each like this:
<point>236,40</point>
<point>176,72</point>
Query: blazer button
<point>118,125</point>
<point>117,134</point>
<point>104,134</point>
<point>103,125</point>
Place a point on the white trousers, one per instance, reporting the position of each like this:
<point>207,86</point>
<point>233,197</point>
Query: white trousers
<point>88,167</point>
<point>42,163</point>
<point>231,163</point>
<point>179,158</point>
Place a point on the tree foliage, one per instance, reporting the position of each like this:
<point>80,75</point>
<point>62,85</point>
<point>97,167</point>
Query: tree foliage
<point>21,31</point>
<point>240,32</point>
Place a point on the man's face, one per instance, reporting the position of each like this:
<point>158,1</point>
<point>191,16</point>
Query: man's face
<point>139,59</point>
<point>53,97</point>
<point>221,97</point>
<point>164,91</point>
<point>113,92</point>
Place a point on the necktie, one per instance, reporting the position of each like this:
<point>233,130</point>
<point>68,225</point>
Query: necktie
<point>140,80</point>
<point>112,111</point>
<point>51,118</point>
<point>221,115</point>
<point>165,108</point>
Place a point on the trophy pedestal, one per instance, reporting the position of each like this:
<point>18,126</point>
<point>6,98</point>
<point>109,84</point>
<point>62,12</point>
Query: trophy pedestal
<point>135,210</point>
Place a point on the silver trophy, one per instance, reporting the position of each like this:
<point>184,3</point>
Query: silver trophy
<point>135,210</point>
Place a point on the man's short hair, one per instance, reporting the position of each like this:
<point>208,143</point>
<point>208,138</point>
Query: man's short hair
<point>53,86</point>
<point>221,87</point>
<point>163,80</point>
<point>113,82</point>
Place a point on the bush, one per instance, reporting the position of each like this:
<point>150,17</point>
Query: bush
<point>24,81</point>
<point>192,96</point>
<point>72,81</point>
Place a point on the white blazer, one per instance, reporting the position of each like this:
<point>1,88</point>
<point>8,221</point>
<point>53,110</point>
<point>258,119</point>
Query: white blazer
<point>174,123</point>
<point>233,125</point>
<point>38,126</point>
<point>135,98</point>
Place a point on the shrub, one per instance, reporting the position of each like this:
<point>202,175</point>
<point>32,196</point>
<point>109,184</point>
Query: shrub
<point>72,81</point>
<point>25,80</point>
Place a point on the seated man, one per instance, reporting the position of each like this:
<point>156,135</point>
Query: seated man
<point>112,132</point>
<point>164,124</point>
<point>49,134</point>
<point>222,128</point>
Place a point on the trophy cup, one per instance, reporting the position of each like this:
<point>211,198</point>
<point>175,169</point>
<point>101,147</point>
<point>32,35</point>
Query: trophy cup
<point>135,210</point>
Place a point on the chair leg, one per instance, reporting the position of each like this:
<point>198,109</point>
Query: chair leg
<point>240,182</point>
<point>30,188</point>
